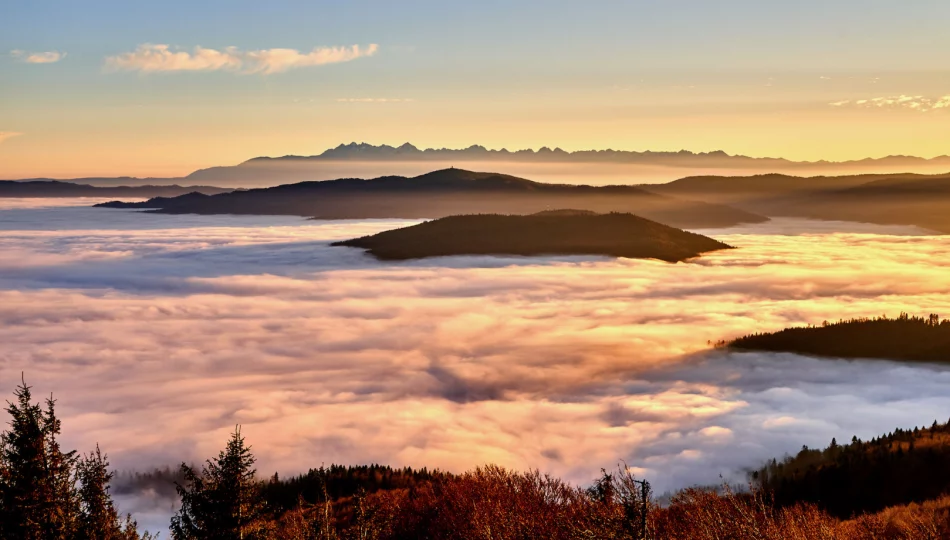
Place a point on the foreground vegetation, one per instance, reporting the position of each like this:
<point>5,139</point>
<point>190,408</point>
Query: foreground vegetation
<point>47,493</point>
<point>904,338</point>
<point>51,494</point>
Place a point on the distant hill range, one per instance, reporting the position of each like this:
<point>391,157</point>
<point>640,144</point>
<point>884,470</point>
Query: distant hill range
<point>887,199</point>
<point>559,232</point>
<point>54,188</point>
<point>445,193</point>
<point>690,202</point>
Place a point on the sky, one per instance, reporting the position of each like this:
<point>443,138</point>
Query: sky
<point>128,88</point>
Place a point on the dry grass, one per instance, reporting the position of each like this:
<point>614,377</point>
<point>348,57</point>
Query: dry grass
<point>492,503</point>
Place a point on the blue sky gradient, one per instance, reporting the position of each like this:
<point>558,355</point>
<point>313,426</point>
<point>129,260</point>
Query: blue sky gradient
<point>637,74</point>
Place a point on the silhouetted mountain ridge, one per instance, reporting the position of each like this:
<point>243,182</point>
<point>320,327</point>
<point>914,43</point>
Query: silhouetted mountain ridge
<point>407,150</point>
<point>55,188</point>
<point>444,193</point>
<point>886,199</point>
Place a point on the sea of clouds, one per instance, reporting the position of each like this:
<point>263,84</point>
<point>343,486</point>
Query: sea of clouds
<point>158,334</point>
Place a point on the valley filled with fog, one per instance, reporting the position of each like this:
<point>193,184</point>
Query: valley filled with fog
<point>158,333</point>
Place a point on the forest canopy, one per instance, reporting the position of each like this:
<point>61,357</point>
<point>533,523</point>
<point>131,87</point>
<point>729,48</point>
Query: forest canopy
<point>923,339</point>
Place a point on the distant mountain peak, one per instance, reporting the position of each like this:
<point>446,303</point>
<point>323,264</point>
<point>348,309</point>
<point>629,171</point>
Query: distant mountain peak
<point>362,151</point>
<point>407,150</point>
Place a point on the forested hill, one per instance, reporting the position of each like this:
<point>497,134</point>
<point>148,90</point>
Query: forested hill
<point>565,232</point>
<point>864,476</point>
<point>904,338</point>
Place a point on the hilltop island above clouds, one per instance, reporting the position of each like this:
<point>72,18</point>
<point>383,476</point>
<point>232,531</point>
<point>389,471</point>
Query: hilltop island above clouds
<point>555,232</point>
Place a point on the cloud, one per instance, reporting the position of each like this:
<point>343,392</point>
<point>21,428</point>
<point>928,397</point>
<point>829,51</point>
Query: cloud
<point>914,103</point>
<point>374,100</point>
<point>149,58</point>
<point>47,57</point>
<point>4,135</point>
<point>158,333</point>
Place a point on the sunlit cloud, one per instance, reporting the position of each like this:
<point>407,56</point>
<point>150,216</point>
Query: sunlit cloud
<point>46,57</point>
<point>151,58</point>
<point>4,135</point>
<point>196,323</point>
<point>914,103</point>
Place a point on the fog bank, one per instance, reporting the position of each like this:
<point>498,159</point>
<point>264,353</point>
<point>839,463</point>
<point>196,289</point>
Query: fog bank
<point>159,333</point>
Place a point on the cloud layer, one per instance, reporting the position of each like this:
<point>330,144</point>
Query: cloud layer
<point>47,57</point>
<point>159,333</point>
<point>914,103</point>
<point>4,135</point>
<point>150,58</point>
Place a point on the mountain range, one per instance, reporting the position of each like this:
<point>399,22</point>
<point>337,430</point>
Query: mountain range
<point>407,151</point>
<point>547,164</point>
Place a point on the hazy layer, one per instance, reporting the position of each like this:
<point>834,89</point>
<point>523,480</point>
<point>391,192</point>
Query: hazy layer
<point>274,173</point>
<point>159,333</point>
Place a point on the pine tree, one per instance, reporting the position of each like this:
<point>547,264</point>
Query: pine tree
<point>223,501</point>
<point>98,518</point>
<point>38,498</point>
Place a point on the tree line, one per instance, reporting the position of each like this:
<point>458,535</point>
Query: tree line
<point>902,467</point>
<point>902,338</point>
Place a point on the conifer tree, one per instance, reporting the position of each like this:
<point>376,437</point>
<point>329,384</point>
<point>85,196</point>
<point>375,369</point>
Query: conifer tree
<point>98,518</point>
<point>222,501</point>
<point>38,497</point>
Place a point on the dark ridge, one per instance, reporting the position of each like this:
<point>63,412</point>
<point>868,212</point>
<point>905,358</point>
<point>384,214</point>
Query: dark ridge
<point>55,188</point>
<point>567,212</point>
<point>904,338</point>
<point>560,232</point>
<point>156,202</point>
<point>885,199</point>
<point>449,192</point>
<point>902,467</point>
